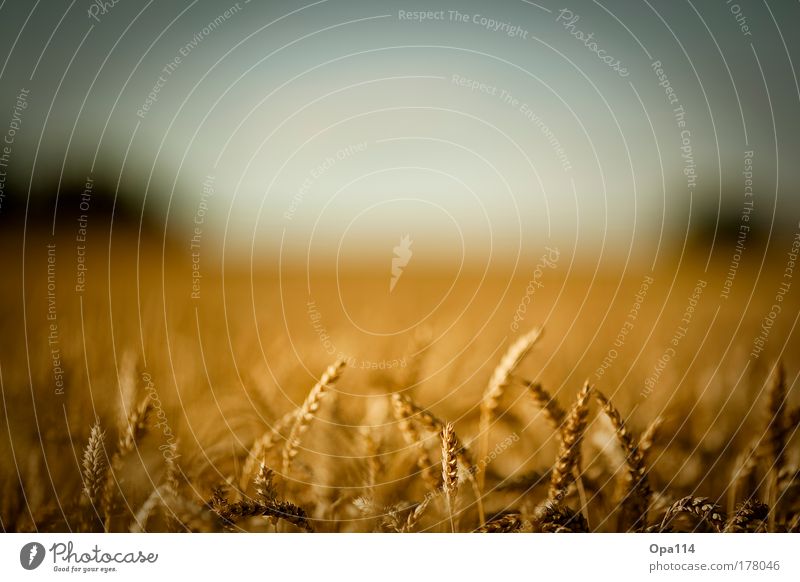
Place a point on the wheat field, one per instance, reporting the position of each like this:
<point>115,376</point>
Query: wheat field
<point>177,416</point>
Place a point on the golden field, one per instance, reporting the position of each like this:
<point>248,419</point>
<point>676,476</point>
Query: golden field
<point>652,400</point>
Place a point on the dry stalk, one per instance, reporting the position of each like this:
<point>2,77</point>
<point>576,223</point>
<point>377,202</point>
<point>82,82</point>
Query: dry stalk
<point>265,486</point>
<point>649,436</point>
<point>407,409</point>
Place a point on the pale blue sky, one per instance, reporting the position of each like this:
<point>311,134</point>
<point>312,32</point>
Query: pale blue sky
<point>261,99</point>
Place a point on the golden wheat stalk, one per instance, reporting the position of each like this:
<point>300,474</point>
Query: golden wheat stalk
<point>548,404</point>
<point>555,415</point>
<point>135,427</point>
<point>264,482</point>
<point>501,378</point>
<point>131,434</point>
<point>374,465</point>
<point>450,447</point>
<point>776,420</point>
<point>416,514</point>
<point>390,520</point>
<point>173,473</point>
<point>263,446</point>
<point>407,409</point>
<point>649,437</point>
<point>403,413</point>
<point>307,411</point>
<point>563,474</point>
<point>636,498</point>
<point>427,420</point>
<point>94,465</point>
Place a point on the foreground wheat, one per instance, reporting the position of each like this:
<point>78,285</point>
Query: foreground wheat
<point>386,478</point>
<point>307,411</point>
<point>501,378</point>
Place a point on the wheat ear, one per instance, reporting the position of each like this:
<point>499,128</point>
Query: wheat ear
<point>450,446</point>
<point>407,409</point>
<point>268,505</point>
<point>374,465</point>
<point>415,515</point>
<point>262,447</point>
<point>563,473</point>
<point>403,413</point>
<point>636,499</point>
<point>501,378</point>
<point>307,411</point>
<point>555,415</point>
<point>95,474</point>
<point>135,427</point>
<point>94,465</point>
<point>232,513</point>
<point>265,485</point>
<point>551,408</point>
<point>649,436</point>
<point>131,434</point>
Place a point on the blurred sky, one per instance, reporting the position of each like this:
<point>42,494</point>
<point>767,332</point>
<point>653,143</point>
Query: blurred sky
<point>335,127</point>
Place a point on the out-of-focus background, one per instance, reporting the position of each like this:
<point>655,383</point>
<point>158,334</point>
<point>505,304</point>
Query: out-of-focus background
<point>212,202</point>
